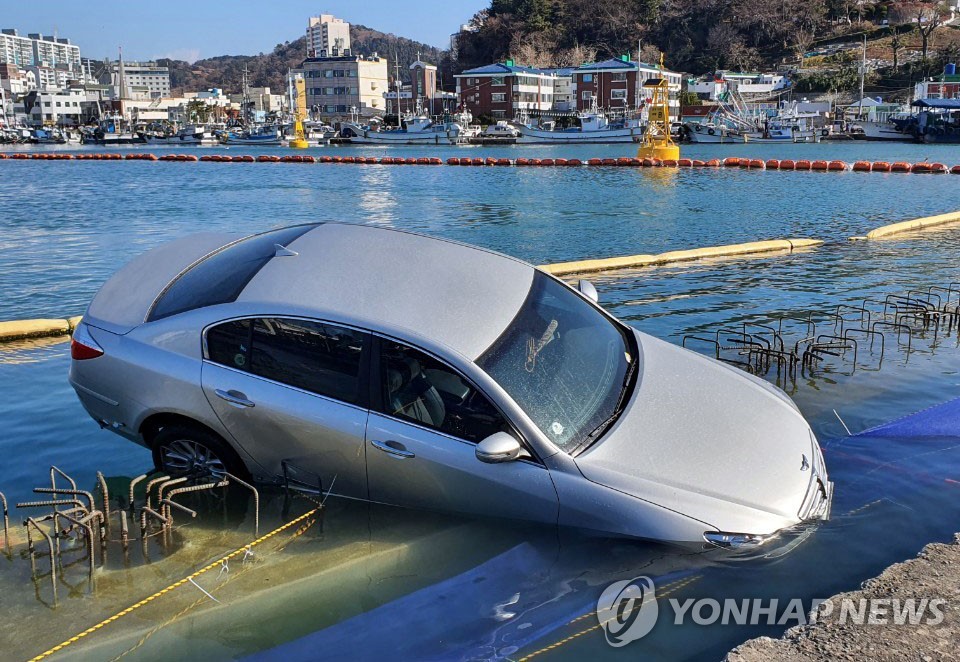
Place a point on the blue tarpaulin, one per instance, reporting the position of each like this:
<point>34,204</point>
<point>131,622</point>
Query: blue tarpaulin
<point>941,420</point>
<point>952,104</point>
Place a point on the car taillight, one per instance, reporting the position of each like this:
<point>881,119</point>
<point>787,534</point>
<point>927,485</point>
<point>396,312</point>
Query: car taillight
<point>82,344</point>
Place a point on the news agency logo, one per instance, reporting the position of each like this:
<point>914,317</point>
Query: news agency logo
<point>628,611</point>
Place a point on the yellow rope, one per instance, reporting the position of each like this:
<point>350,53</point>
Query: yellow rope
<point>676,586</point>
<point>296,534</point>
<point>171,587</point>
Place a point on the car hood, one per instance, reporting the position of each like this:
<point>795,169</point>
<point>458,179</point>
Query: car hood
<point>706,440</point>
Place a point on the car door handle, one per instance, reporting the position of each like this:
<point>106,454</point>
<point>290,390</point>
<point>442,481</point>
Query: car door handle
<point>393,448</point>
<point>234,398</point>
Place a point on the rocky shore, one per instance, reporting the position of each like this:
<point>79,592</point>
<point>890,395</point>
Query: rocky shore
<point>933,575</point>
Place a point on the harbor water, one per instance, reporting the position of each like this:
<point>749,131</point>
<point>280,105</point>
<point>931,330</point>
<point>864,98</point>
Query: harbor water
<point>376,581</point>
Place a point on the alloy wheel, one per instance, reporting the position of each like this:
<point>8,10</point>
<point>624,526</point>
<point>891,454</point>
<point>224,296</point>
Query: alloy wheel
<point>191,458</point>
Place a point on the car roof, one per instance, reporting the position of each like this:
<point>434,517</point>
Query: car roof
<point>458,295</point>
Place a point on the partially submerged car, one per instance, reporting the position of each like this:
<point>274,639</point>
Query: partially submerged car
<point>425,373</point>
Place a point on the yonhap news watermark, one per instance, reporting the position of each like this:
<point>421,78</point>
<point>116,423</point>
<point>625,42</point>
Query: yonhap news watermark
<point>628,610</point>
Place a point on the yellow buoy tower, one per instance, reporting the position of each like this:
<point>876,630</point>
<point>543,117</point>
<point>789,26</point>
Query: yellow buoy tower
<point>299,140</point>
<point>657,143</point>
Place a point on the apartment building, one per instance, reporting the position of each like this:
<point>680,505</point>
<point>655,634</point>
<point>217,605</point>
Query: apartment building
<point>327,36</point>
<point>506,91</point>
<point>344,84</point>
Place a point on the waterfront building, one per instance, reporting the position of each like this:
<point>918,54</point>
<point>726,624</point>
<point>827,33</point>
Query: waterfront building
<point>39,50</point>
<point>133,80</point>
<point>563,96</point>
<point>346,84</point>
<point>262,100</point>
<point>68,107</point>
<point>715,87</point>
<point>327,36</point>
<point>15,81</point>
<point>506,91</point>
<point>697,114</point>
<point>617,85</point>
<point>944,86</point>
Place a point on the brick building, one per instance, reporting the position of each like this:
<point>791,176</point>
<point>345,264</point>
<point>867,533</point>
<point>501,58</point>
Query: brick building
<point>504,91</point>
<point>617,85</point>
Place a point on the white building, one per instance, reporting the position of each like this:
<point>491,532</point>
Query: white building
<point>713,88</point>
<point>69,107</point>
<point>564,95</point>
<point>141,80</point>
<point>327,36</point>
<point>263,100</point>
<point>52,62</point>
<point>40,50</point>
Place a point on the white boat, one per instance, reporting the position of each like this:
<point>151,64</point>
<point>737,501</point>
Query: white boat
<point>413,130</point>
<point>595,127</point>
<point>198,134</point>
<point>711,132</point>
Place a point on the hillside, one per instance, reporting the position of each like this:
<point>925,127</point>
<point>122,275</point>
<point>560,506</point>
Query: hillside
<point>700,36</point>
<point>270,69</point>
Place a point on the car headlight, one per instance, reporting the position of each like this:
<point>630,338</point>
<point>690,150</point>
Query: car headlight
<point>734,540</point>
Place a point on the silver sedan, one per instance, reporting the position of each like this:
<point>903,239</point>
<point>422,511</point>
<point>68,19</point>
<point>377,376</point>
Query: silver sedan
<point>401,369</point>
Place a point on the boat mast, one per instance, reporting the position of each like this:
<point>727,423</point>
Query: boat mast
<point>396,81</point>
<point>246,97</point>
<point>863,73</point>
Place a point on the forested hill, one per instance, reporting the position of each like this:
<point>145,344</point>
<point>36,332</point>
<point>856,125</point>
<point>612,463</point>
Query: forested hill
<point>695,35</point>
<point>270,69</point>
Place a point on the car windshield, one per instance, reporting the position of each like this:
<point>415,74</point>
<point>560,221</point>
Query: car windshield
<point>563,362</point>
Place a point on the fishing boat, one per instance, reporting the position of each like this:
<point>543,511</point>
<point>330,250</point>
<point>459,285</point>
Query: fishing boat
<point>714,132</point>
<point>112,129</point>
<point>595,127</point>
<point>198,134</point>
<point>258,134</point>
<point>937,121</point>
<point>414,129</point>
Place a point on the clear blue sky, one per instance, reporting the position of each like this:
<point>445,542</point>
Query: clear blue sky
<point>190,30</point>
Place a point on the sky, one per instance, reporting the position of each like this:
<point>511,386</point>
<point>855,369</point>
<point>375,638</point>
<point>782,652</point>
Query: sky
<point>195,29</point>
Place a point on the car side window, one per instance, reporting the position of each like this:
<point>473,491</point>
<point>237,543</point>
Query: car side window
<point>418,388</point>
<point>229,344</point>
<point>320,358</point>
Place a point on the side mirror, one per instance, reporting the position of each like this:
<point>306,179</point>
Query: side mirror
<point>587,289</point>
<point>498,447</point>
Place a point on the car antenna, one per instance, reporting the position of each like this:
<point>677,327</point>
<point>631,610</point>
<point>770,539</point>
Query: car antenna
<point>283,251</point>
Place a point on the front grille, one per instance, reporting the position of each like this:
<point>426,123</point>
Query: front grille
<point>816,502</point>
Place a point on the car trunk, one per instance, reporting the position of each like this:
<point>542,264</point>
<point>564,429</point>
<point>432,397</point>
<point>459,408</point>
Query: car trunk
<point>122,303</point>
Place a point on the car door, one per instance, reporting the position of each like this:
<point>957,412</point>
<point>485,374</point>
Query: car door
<point>294,391</point>
<point>421,444</point>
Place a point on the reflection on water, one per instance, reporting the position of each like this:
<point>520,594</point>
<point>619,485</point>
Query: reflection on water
<point>399,583</point>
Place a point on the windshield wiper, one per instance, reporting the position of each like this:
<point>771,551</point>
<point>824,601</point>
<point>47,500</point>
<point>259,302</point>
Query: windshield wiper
<point>598,431</point>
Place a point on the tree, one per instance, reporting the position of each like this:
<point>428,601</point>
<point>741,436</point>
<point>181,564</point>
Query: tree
<point>895,45</point>
<point>198,111</point>
<point>929,18</point>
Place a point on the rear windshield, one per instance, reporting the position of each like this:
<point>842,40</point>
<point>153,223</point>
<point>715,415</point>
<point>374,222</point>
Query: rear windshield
<point>221,277</point>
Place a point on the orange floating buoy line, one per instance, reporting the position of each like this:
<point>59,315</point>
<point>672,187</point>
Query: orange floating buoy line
<point>923,167</point>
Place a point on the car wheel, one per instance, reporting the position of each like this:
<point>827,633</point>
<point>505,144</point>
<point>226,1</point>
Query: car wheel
<point>181,450</point>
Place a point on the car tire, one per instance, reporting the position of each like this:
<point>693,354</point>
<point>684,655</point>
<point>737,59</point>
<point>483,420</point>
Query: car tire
<point>185,450</point>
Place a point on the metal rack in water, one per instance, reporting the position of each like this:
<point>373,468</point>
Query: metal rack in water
<point>851,335</point>
<point>73,526</point>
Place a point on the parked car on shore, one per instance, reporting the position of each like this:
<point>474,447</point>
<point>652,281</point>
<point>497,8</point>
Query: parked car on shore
<point>430,374</point>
